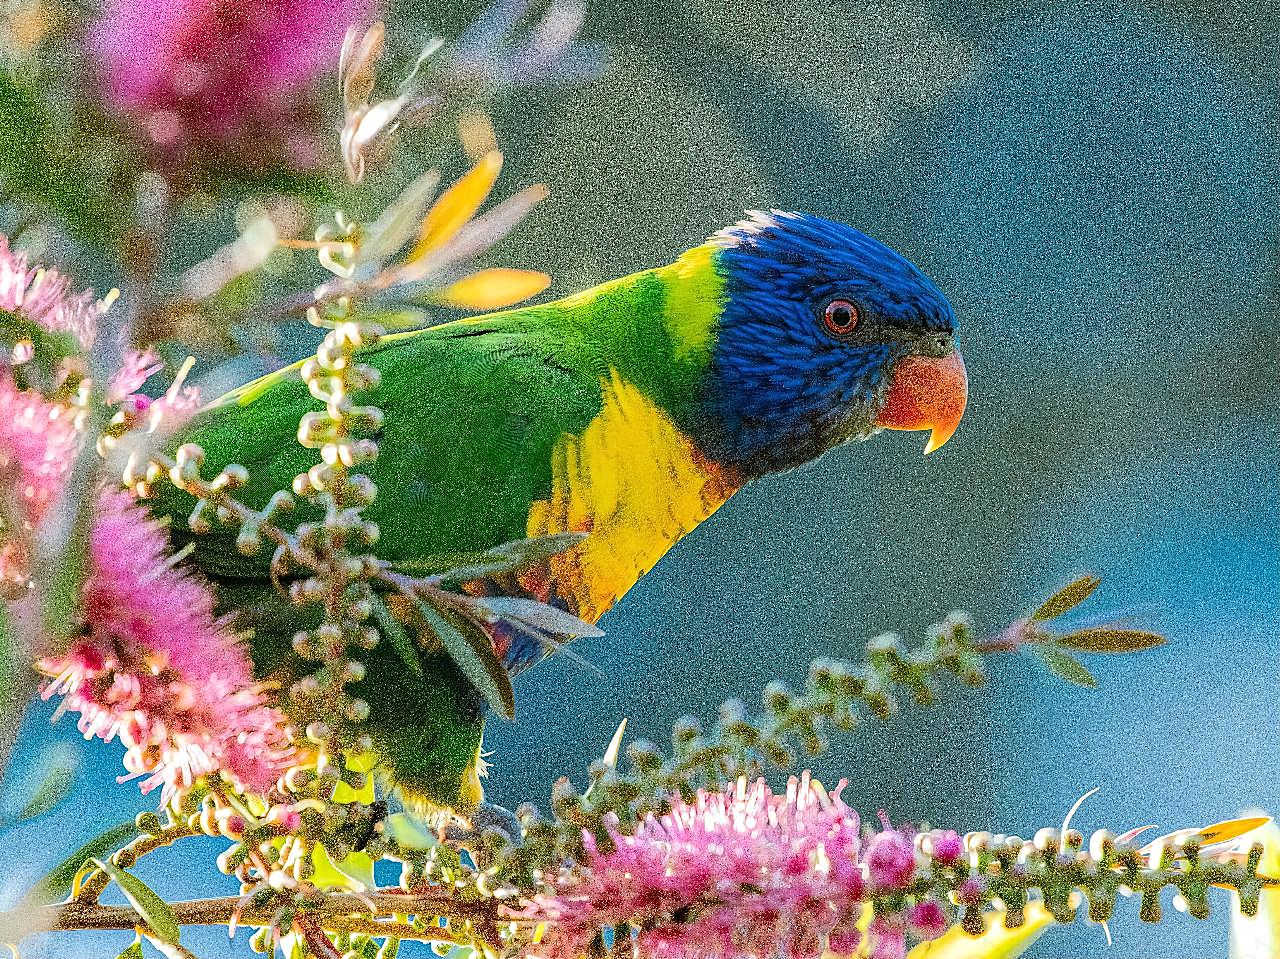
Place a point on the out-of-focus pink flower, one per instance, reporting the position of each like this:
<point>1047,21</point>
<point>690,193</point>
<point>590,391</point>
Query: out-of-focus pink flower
<point>138,411</point>
<point>740,874</point>
<point>39,436</point>
<point>887,937</point>
<point>158,670</point>
<point>946,846</point>
<point>890,859</point>
<point>44,297</point>
<point>40,429</point>
<point>218,71</point>
<point>927,919</point>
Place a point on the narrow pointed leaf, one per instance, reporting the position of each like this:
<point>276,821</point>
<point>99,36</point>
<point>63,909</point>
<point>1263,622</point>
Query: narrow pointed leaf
<point>457,205</point>
<point>60,769</point>
<point>539,615</point>
<point>155,912</point>
<point>472,652</point>
<point>57,882</point>
<point>1108,639</point>
<point>329,875</point>
<point>133,952</point>
<point>357,64</point>
<point>1067,598</point>
<point>478,235</point>
<point>359,866</point>
<point>395,634</point>
<point>1065,666</point>
<point>508,558</point>
<point>1216,834</point>
<point>494,289</point>
<point>60,600</point>
<point>1232,829</point>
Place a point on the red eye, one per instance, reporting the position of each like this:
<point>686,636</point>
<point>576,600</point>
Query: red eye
<point>840,317</point>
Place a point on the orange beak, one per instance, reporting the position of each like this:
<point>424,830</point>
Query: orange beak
<point>926,393</point>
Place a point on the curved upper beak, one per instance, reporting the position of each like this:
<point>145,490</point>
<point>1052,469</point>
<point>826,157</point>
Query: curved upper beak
<point>926,393</point>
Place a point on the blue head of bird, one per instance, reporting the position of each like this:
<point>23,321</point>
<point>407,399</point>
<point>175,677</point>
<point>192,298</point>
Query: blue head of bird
<point>825,336</point>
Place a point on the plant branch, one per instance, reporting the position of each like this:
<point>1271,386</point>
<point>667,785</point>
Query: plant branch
<point>368,914</point>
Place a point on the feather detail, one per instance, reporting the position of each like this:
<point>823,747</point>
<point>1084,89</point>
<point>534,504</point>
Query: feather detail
<point>636,484</point>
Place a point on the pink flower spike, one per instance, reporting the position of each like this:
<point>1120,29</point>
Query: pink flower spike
<point>927,919</point>
<point>44,297</point>
<point>39,436</point>
<point>728,875</point>
<point>888,939</point>
<point>157,670</point>
<point>947,847</point>
<point>219,73</point>
<point>890,859</point>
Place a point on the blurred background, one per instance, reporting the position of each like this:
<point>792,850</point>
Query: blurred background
<point>1096,188</point>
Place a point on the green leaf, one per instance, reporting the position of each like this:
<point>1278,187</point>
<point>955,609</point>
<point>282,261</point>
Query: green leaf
<point>155,912</point>
<point>510,557</point>
<point>57,882</point>
<point>528,552</point>
<point>1109,639</point>
<point>354,873</point>
<point>397,637</point>
<point>134,951</point>
<point>387,235</point>
<point>409,832</point>
<point>538,615</point>
<point>1065,666</point>
<point>471,649</point>
<point>60,763</point>
<point>1067,598</point>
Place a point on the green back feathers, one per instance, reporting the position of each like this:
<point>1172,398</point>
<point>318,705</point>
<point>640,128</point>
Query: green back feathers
<point>474,408</point>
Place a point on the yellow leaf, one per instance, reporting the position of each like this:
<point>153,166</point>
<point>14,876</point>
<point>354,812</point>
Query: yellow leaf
<point>493,289</point>
<point>457,205</point>
<point>1231,829</point>
<point>996,942</point>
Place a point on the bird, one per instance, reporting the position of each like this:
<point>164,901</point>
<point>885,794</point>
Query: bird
<point>629,412</point>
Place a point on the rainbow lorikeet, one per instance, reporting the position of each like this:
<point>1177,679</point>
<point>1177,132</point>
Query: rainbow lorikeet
<point>631,411</point>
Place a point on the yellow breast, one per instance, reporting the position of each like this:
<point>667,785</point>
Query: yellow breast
<point>636,484</point>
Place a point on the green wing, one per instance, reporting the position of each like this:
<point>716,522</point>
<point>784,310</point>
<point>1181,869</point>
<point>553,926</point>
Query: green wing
<point>473,410</point>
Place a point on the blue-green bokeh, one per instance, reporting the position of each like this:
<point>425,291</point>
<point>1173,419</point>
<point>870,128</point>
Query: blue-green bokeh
<point>1096,188</point>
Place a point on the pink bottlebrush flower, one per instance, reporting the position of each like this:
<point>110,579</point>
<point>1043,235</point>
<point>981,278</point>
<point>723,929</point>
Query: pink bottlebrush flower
<point>40,432</point>
<point>138,367</point>
<point>138,411</point>
<point>947,847</point>
<point>39,435</point>
<point>158,670</point>
<point>44,297</point>
<point>745,873</point>
<point>218,71</point>
<point>890,859</point>
<point>887,937</point>
<point>927,919</point>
